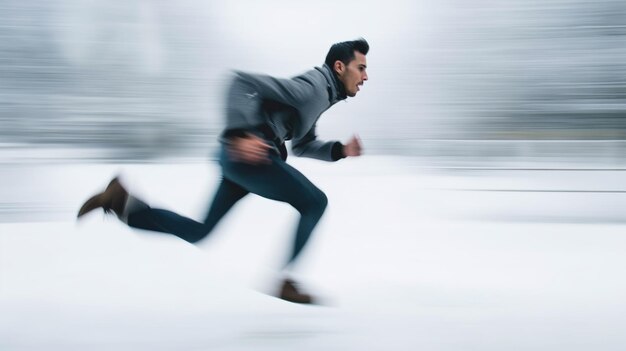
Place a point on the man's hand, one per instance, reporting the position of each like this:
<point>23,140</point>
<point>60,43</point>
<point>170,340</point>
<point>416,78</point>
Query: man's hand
<point>353,147</point>
<point>249,149</point>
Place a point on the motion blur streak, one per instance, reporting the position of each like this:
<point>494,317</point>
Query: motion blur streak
<point>139,80</point>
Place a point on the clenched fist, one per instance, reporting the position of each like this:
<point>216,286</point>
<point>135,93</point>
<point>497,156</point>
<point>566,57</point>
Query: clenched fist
<point>353,147</point>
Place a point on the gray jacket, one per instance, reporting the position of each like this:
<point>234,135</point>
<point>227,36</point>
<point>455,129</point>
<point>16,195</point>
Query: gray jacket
<point>286,109</point>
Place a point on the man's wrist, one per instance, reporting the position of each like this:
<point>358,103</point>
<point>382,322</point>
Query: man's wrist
<point>336,152</point>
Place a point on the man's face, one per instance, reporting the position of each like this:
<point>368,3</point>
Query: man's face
<point>354,74</point>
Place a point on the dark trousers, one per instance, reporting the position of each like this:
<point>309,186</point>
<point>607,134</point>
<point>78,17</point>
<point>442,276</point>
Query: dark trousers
<point>277,181</point>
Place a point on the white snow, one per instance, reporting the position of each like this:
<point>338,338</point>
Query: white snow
<point>405,259</point>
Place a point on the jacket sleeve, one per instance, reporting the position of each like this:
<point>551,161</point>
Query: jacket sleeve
<point>309,146</point>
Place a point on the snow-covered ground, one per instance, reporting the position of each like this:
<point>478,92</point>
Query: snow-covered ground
<point>405,258</point>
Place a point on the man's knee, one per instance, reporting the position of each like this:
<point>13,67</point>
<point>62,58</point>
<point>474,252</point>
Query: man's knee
<point>312,203</point>
<point>319,202</point>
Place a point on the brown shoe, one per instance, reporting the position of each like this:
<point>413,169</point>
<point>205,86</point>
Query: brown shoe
<point>289,292</point>
<point>112,199</point>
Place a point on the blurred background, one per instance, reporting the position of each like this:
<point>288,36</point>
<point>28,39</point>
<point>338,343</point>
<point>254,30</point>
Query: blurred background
<point>488,209</point>
<point>488,83</point>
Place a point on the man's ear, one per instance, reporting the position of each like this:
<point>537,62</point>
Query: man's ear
<point>339,67</point>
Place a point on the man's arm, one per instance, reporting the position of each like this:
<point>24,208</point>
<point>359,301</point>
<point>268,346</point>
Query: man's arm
<point>309,146</point>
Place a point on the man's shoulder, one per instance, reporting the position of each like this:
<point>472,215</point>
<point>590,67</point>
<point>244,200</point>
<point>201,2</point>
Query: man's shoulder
<point>314,74</point>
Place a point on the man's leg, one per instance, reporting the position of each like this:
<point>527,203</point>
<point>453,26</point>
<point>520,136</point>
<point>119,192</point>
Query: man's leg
<point>165,221</point>
<point>279,181</point>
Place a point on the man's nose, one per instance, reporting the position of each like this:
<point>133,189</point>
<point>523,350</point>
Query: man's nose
<point>364,76</point>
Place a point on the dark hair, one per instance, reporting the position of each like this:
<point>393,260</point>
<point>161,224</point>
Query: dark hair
<point>344,51</point>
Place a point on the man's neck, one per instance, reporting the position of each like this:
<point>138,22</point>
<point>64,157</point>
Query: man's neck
<point>341,89</point>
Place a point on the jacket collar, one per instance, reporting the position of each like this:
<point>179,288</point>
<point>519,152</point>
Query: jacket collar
<point>336,90</point>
